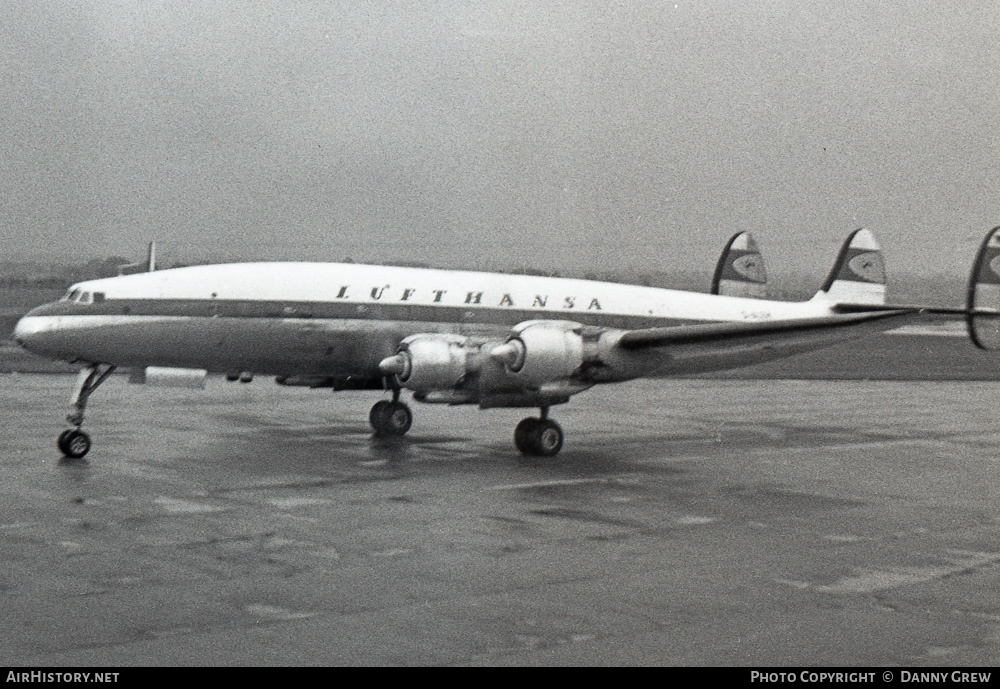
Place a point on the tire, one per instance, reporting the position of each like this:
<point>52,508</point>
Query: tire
<point>61,442</point>
<point>396,419</point>
<point>547,438</point>
<point>390,418</point>
<point>523,434</point>
<point>74,443</point>
<point>375,415</point>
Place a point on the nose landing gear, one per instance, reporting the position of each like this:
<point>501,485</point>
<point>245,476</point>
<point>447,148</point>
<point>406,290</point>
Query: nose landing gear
<point>73,442</point>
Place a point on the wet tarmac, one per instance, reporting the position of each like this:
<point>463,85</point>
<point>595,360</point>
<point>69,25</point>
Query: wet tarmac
<point>686,522</point>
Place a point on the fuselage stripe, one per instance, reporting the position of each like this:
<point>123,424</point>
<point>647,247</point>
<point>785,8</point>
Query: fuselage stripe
<point>370,311</point>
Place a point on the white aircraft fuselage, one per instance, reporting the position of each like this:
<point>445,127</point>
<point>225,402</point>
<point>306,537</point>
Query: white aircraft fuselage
<point>457,337</point>
<point>333,319</point>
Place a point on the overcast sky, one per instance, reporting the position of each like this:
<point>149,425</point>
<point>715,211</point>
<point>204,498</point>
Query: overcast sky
<point>497,134</point>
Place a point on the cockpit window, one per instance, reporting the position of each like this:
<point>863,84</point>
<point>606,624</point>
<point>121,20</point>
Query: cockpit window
<point>81,297</point>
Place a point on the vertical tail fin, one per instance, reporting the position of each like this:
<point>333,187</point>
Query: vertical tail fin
<point>740,271</point>
<point>858,276</point>
<point>984,294</point>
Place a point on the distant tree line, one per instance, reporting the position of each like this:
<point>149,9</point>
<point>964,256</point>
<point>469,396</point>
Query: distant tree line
<point>13,281</point>
<point>64,275</point>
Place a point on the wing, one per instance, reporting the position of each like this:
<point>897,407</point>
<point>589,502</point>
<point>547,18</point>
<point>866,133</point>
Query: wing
<point>742,332</point>
<point>698,348</point>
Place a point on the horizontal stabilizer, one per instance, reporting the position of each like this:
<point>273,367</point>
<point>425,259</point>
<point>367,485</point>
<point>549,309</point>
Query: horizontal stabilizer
<point>984,294</point>
<point>858,276</point>
<point>740,271</point>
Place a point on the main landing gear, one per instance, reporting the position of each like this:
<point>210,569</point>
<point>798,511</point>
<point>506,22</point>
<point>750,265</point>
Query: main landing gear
<point>390,419</point>
<point>541,437</point>
<point>73,442</point>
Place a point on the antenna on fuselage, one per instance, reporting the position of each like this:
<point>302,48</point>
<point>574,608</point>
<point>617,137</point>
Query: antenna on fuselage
<point>148,267</point>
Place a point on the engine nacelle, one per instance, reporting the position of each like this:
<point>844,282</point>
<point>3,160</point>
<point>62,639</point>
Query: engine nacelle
<point>540,352</point>
<point>431,362</point>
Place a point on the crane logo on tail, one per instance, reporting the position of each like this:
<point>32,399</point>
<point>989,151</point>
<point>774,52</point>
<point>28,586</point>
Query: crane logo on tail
<point>750,267</point>
<point>995,266</point>
<point>868,267</point>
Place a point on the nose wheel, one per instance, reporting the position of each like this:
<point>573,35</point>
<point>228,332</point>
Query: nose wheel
<point>73,442</point>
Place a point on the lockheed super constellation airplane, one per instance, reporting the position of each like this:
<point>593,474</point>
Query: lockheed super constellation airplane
<point>454,337</point>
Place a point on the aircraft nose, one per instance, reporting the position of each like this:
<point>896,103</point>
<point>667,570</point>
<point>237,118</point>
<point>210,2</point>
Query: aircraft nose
<point>35,330</point>
<point>27,329</point>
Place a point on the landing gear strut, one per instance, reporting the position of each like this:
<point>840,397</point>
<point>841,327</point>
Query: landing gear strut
<point>390,418</point>
<point>541,437</point>
<point>73,442</point>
